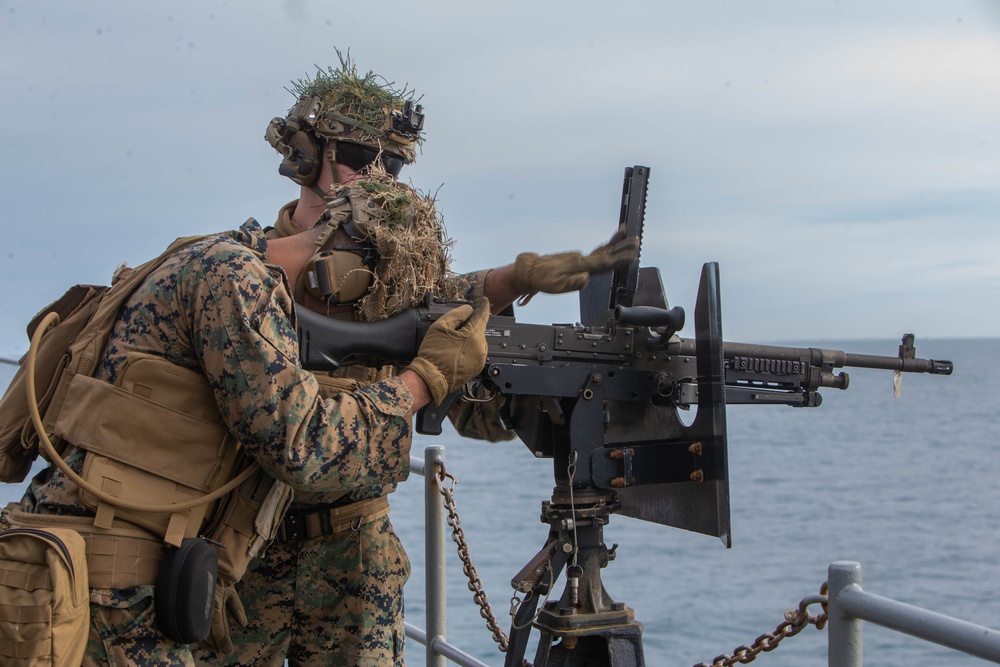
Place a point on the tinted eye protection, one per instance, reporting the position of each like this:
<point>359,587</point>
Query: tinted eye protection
<point>358,157</point>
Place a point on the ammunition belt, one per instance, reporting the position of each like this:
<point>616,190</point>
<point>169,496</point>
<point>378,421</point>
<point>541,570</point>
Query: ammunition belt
<point>306,523</point>
<point>118,557</point>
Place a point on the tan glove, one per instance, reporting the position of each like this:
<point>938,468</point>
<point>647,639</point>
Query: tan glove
<point>570,271</point>
<point>227,606</point>
<point>453,350</point>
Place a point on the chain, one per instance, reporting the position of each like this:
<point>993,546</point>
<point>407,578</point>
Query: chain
<point>795,622</point>
<point>458,534</point>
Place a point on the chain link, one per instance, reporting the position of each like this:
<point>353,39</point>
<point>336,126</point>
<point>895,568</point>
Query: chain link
<point>458,534</point>
<point>795,621</point>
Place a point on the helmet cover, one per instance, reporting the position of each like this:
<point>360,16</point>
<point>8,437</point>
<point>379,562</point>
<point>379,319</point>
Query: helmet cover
<point>341,105</point>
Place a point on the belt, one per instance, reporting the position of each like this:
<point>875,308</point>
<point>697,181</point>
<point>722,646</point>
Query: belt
<point>305,524</point>
<point>118,557</point>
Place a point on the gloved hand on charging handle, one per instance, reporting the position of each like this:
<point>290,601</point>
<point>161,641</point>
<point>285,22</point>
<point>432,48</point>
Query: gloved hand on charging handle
<point>569,271</point>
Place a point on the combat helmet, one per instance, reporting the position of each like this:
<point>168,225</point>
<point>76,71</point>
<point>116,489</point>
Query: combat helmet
<point>346,117</point>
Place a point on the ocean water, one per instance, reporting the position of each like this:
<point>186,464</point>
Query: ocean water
<point>906,487</point>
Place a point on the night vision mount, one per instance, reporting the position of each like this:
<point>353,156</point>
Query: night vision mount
<point>410,121</point>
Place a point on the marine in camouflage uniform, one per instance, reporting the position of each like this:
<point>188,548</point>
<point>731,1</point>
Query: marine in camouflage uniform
<point>334,596</point>
<point>322,595</point>
<point>218,307</point>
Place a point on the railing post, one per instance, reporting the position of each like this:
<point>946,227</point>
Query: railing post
<point>845,636</point>
<point>434,555</point>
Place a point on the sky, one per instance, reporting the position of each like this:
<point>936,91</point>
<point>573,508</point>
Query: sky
<point>839,159</point>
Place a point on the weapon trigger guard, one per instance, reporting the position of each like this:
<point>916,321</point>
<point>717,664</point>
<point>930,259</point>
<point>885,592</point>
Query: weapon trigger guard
<point>469,392</point>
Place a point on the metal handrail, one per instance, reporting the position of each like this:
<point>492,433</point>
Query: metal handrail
<point>849,605</point>
<point>433,638</point>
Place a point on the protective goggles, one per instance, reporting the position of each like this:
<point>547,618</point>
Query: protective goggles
<point>358,157</point>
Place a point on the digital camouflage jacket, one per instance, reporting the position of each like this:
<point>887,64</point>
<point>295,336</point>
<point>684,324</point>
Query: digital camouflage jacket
<point>216,306</point>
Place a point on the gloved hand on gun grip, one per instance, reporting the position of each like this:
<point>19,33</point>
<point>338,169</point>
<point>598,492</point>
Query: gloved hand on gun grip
<point>570,271</point>
<point>226,607</point>
<point>453,350</point>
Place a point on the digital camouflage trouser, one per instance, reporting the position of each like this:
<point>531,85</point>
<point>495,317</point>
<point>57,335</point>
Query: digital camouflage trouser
<point>333,600</point>
<point>123,632</point>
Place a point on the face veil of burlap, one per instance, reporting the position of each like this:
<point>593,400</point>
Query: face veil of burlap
<point>410,239</point>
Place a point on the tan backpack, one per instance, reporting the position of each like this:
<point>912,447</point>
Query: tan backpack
<point>86,316</point>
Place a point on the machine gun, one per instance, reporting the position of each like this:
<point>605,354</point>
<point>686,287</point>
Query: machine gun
<point>607,399</point>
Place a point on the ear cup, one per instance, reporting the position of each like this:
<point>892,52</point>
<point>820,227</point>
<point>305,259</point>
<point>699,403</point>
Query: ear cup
<point>337,277</point>
<point>302,158</point>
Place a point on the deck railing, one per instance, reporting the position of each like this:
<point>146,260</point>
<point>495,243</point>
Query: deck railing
<point>433,636</point>
<point>848,604</point>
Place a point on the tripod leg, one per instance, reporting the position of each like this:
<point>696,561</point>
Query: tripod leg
<point>551,562</point>
<point>520,628</point>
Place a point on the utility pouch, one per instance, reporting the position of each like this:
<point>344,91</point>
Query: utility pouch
<point>248,522</point>
<point>186,453</point>
<point>185,590</point>
<point>45,609</point>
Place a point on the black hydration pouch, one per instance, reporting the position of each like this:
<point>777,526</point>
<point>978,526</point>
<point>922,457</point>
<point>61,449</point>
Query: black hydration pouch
<point>185,590</point>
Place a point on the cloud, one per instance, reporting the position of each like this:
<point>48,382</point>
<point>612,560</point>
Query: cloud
<point>817,150</point>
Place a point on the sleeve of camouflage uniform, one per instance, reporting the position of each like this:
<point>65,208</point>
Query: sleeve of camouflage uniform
<point>480,421</point>
<point>243,330</point>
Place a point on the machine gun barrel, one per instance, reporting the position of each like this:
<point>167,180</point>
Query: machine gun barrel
<point>905,362</point>
<point>762,374</point>
<point>932,366</point>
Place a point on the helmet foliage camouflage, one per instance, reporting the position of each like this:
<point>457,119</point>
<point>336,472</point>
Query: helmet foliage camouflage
<point>411,244</point>
<point>341,105</point>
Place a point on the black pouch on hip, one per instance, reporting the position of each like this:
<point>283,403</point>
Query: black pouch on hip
<point>185,590</point>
